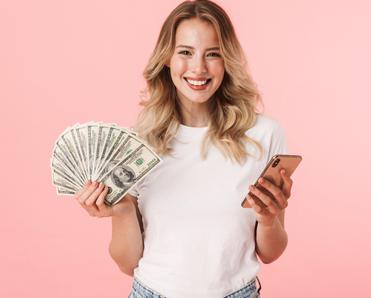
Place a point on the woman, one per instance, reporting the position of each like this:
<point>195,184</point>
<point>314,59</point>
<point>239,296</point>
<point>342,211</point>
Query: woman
<point>181,232</point>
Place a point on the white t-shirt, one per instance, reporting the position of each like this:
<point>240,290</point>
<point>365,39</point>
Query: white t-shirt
<point>198,240</point>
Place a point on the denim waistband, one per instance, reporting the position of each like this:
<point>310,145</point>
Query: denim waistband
<point>142,289</point>
<point>249,288</point>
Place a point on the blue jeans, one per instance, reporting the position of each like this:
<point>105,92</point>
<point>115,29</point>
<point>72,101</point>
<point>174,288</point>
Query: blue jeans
<point>141,291</point>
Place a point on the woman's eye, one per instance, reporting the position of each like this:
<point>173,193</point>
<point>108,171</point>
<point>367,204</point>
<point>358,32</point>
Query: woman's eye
<point>184,52</point>
<point>215,54</point>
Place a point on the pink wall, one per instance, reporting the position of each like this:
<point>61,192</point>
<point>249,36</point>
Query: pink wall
<point>63,62</point>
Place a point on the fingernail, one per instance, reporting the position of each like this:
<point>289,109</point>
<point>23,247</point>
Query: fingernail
<point>283,171</point>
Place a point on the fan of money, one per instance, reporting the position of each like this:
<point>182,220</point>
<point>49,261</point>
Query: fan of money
<point>100,152</point>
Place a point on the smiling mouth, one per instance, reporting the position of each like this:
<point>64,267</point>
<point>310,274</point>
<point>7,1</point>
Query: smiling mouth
<point>197,83</point>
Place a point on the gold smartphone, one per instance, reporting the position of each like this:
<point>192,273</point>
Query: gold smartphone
<point>272,174</point>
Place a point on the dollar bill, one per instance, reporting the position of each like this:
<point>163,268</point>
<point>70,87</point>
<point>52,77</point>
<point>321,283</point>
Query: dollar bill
<point>94,129</point>
<point>125,148</point>
<point>128,172</point>
<point>80,154</point>
<point>97,146</point>
<point>104,152</point>
<point>117,136</point>
<point>59,179</point>
<point>58,160</point>
<point>64,191</point>
<point>103,133</point>
<point>82,141</point>
<point>106,142</point>
<point>65,171</point>
<point>66,150</point>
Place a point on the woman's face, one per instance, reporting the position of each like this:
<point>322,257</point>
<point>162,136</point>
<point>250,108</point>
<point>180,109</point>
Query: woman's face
<point>196,59</point>
<point>122,174</point>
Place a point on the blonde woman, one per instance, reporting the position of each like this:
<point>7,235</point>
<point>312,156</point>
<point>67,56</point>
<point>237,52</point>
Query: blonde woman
<point>182,232</point>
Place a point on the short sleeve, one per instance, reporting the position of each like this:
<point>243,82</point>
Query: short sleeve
<point>133,191</point>
<point>278,143</point>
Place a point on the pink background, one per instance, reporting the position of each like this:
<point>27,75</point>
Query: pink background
<point>63,62</point>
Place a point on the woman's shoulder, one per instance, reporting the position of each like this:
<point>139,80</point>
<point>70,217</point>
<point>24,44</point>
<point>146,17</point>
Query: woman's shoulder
<point>265,124</point>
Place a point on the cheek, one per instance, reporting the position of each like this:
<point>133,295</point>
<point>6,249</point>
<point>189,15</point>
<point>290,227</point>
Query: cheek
<point>178,67</point>
<point>217,70</point>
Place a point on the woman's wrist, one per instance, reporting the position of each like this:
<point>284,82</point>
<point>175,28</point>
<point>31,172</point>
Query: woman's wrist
<point>270,223</point>
<point>123,208</point>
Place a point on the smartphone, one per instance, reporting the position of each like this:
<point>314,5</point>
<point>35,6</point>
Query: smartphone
<point>272,173</point>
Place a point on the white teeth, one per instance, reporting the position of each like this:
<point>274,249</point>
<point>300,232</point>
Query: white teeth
<point>197,83</point>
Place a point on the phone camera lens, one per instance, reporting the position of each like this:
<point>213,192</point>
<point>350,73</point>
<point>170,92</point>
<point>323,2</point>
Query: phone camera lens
<point>276,162</point>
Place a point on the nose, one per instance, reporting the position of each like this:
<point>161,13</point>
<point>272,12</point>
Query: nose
<point>199,65</point>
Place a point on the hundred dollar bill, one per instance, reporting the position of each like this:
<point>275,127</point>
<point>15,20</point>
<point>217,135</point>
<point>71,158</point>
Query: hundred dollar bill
<point>80,140</point>
<point>90,150</point>
<point>66,145</point>
<point>58,161</point>
<point>83,133</point>
<point>59,179</point>
<point>126,147</point>
<point>65,170</point>
<point>64,191</point>
<point>117,136</point>
<point>73,138</point>
<point>109,136</point>
<point>104,134</point>
<point>98,141</point>
<point>61,150</point>
<point>128,172</point>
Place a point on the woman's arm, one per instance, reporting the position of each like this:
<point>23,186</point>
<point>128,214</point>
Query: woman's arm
<point>126,246</point>
<point>271,240</point>
<point>270,235</point>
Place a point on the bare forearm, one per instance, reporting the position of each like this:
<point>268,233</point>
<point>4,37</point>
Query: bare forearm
<point>271,241</point>
<point>126,246</point>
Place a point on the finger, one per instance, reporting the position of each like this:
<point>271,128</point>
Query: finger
<point>81,191</point>
<point>287,183</point>
<point>91,210</point>
<point>257,201</point>
<point>267,200</point>
<point>91,200</point>
<point>88,192</point>
<point>277,193</point>
<point>258,209</point>
<point>100,201</point>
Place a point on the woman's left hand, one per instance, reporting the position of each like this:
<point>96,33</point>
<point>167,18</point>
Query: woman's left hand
<point>274,197</point>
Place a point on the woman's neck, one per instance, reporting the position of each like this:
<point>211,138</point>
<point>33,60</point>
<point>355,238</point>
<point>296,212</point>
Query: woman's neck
<point>194,114</point>
<point>195,119</point>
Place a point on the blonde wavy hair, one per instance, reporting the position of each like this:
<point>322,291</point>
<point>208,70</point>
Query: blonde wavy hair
<point>232,107</point>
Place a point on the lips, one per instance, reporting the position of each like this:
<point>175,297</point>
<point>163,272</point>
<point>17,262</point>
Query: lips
<point>198,87</point>
<point>200,79</point>
<point>196,79</point>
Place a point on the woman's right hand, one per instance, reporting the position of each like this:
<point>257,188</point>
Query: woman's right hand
<point>91,198</point>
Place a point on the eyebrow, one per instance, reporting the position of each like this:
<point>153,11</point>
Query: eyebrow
<point>189,47</point>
